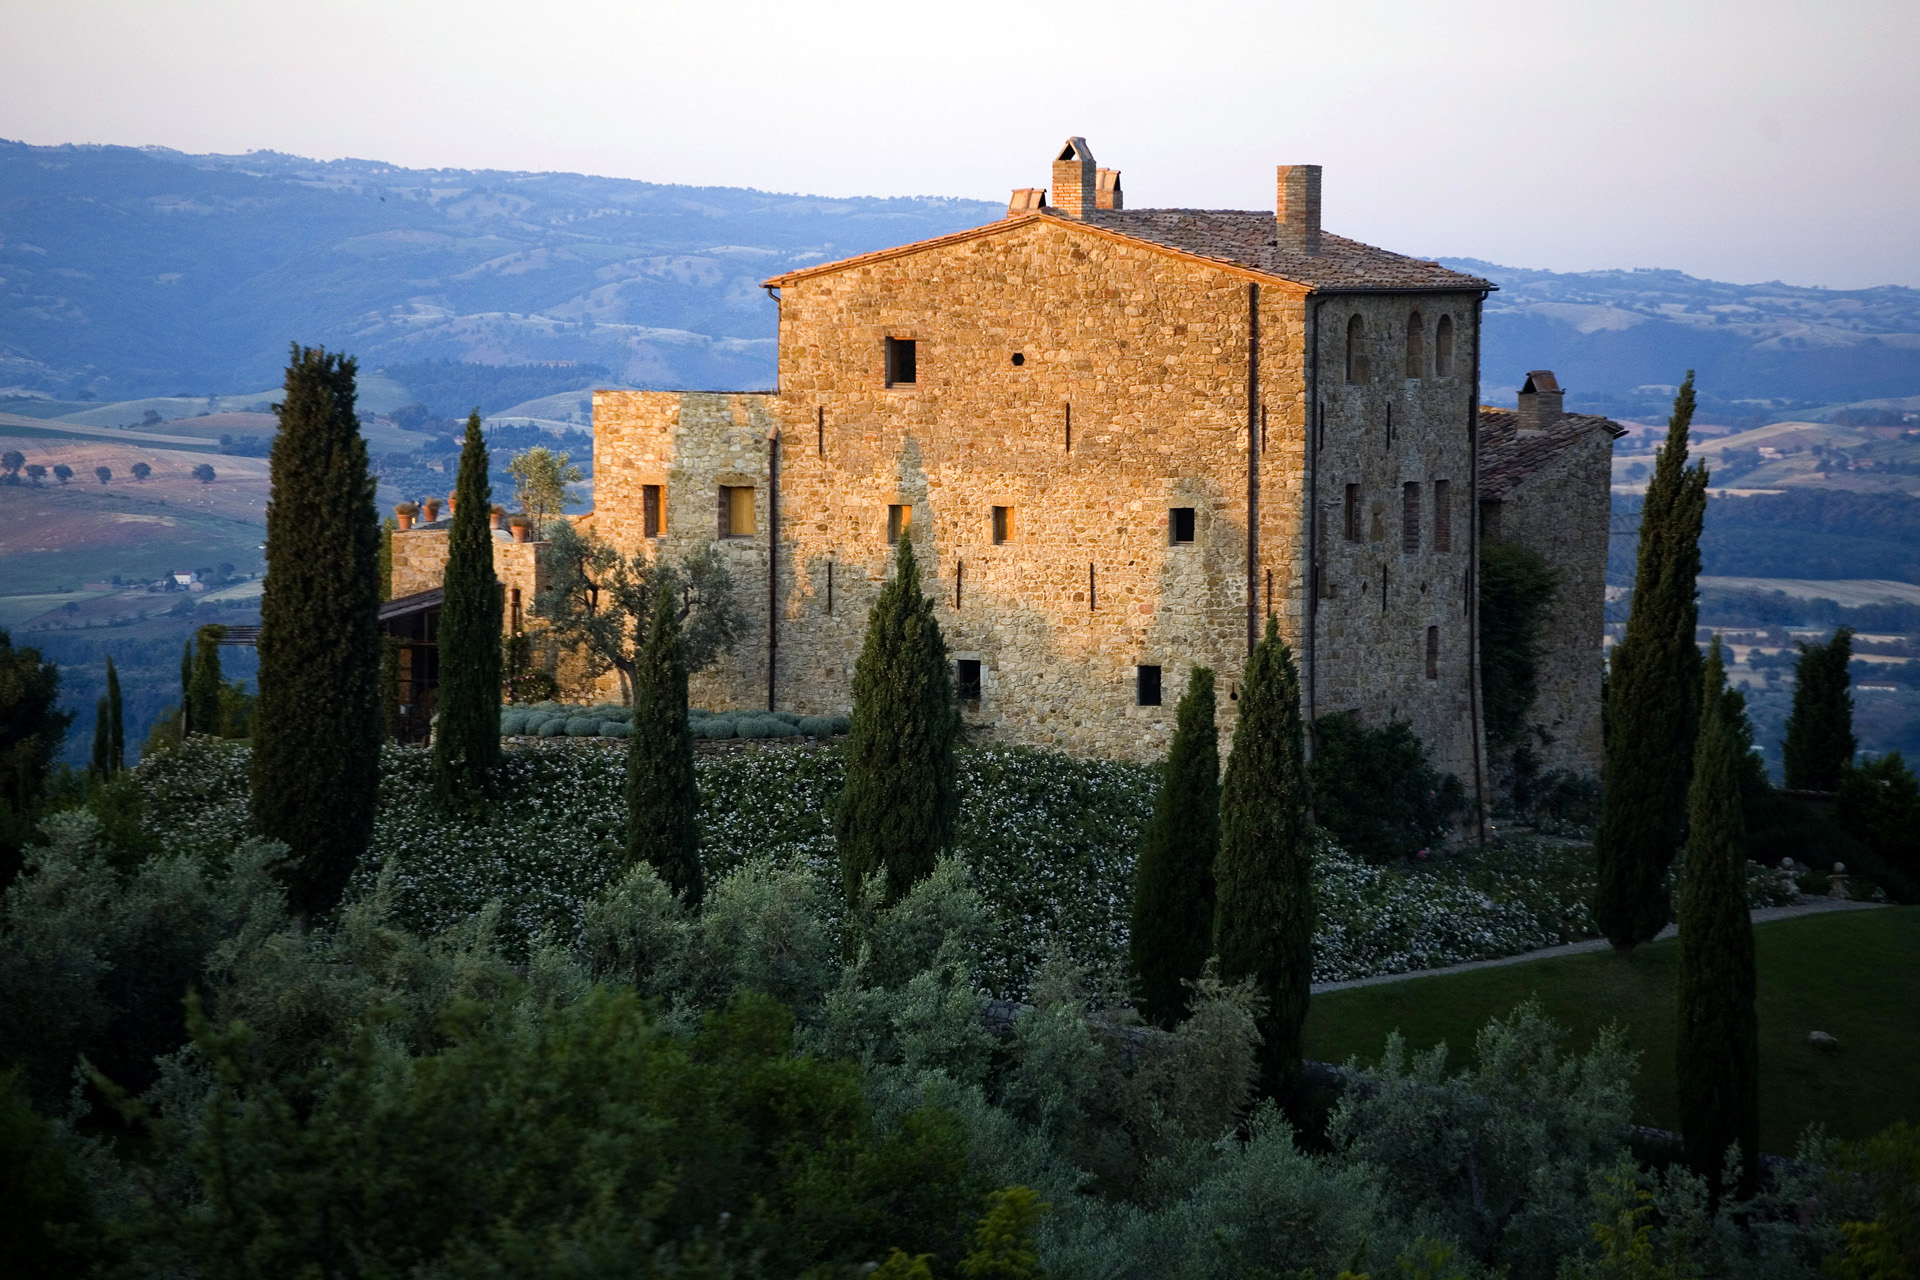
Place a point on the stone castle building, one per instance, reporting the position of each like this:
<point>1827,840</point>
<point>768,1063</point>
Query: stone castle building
<point>1118,439</point>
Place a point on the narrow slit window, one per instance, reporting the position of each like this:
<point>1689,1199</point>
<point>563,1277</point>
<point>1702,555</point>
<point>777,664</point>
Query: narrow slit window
<point>1180,526</point>
<point>1416,346</point>
<point>1146,686</point>
<point>650,509</point>
<point>899,521</point>
<point>1442,516</point>
<point>1410,518</point>
<point>966,679</point>
<point>1350,514</point>
<point>1356,350</point>
<point>1002,525</point>
<point>736,511</point>
<point>903,362</point>
<point>1433,653</point>
<point>1443,347</point>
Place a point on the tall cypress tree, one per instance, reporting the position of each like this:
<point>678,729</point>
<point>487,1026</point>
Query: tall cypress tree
<point>102,766</point>
<point>203,691</point>
<point>1172,932</point>
<point>1820,742</point>
<point>466,734</point>
<point>663,799</point>
<point>316,738</point>
<point>1263,918</point>
<point>897,810</point>
<point>1717,1056</point>
<point>116,722</point>
<point>1653,706</point>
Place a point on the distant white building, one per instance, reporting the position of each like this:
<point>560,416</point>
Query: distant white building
<point>184,578</point>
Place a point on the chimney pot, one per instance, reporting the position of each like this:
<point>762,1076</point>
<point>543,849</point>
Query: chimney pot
<point>1075,179</point>
<point>1026,200</point>
<point>1106,192</point>
<point>1297,208</point>
<point>1540,401</point>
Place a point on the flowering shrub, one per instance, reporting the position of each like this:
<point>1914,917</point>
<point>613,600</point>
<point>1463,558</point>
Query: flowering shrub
<point>1049,842</point>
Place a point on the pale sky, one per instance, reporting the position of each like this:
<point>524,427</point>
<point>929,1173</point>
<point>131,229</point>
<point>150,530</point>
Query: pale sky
<point>1743,141</point>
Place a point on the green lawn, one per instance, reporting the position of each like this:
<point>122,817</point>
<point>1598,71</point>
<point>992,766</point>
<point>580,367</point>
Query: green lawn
<point>1855,975</point>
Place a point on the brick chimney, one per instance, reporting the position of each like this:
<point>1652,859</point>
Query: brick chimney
<point>1296,213</point>
<point>1075,180</point>
<point>1540,401</point>
<point>1026,200</point>
<point>1107,189</point>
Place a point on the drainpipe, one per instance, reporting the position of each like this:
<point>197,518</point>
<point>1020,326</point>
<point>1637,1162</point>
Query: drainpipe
<point>773,560</point>
<point>1473,578</point>
<point>1253,466</point>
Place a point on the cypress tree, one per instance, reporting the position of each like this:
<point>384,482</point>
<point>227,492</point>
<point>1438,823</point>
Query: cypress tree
<point>316,738</point>
<point>1653,706</point>
<point>116,723</point>
<point>663,799</point>
<point>203,691</point>
<point>1172,932</point>
<point>102,765</point>
<point>466,734</point>
<point>1263,919</point>
<point>897,810</point>
<point>1820,743</point>
<point>1717,1056</point>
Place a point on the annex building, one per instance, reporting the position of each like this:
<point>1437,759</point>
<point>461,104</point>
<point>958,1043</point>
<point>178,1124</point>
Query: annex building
<point>1118,439</point>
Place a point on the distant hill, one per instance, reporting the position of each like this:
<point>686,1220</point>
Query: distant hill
<point>146,272</point>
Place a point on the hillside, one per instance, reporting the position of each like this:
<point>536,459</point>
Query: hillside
<point>147,272</point>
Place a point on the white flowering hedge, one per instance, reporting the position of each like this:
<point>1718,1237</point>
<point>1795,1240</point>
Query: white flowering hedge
<point>1050,842</point>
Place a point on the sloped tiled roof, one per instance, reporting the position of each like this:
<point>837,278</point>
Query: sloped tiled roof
<point>1508,455</point>
<point>1246,238</point>
<point>1243,239</point>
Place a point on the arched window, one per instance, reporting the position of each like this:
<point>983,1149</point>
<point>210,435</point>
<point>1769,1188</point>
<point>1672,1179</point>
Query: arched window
<point>1443,347</point>
<point>1356,350</point>
<point>1416,346</point>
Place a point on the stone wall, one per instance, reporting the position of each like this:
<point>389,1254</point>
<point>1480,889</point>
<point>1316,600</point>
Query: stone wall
<point>1128,400</point>
<point>420,564</point>
<point>1562,511</point>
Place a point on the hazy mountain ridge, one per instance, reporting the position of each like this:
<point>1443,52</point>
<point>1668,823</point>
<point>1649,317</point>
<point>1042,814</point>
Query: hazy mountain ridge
<point>128,272</point>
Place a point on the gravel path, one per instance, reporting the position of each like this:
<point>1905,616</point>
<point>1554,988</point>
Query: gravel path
<point>1761,915</point>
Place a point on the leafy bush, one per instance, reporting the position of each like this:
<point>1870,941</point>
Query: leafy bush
<point>1376,791</point>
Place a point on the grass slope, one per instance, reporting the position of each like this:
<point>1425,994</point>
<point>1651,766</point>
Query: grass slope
<point>1855,975</point>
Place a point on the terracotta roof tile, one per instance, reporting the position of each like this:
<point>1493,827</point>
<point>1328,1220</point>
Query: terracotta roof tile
<point>1508,456</point>
<point>1246,239</point>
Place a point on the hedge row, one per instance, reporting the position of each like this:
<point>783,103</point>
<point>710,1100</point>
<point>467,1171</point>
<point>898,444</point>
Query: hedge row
<point>557,720</point>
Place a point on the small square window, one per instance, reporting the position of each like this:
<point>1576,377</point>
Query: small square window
<point>1179,529</point>
<point>899,521</point>
<point>736,511</point>
<point>903,360</point>
<point>1002,524</point>
<point>650,515</point>
<point>1147,686</point>
<point>966,679</point>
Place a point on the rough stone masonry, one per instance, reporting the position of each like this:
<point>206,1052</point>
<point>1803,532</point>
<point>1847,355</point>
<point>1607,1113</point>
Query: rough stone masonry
<point>1117,439</point>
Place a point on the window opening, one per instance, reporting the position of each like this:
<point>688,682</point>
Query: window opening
<point>650,509</point>
<point>736,511</point>
<point>1002,525</point>
<point>829,586</point>
<point>1416,346</point>
<point>1090,599</point>
<point>1433,653</point>
<point>966,679</point>
<point>1410,518</point>
<point>903,361</point>
<point>1356,350</point>
<point>1180,525</point>
<point>1146,686</point>
<point>515,624</point>
<point>1018,359</point>
<point>899,521</point>
<point>1350,518</point>
<point>1443,347</point>
<point>1069,428</point>
<point>1383,588</point>
<point>959,577</point>
<point>820,424</point>
<point>1442,516</point>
